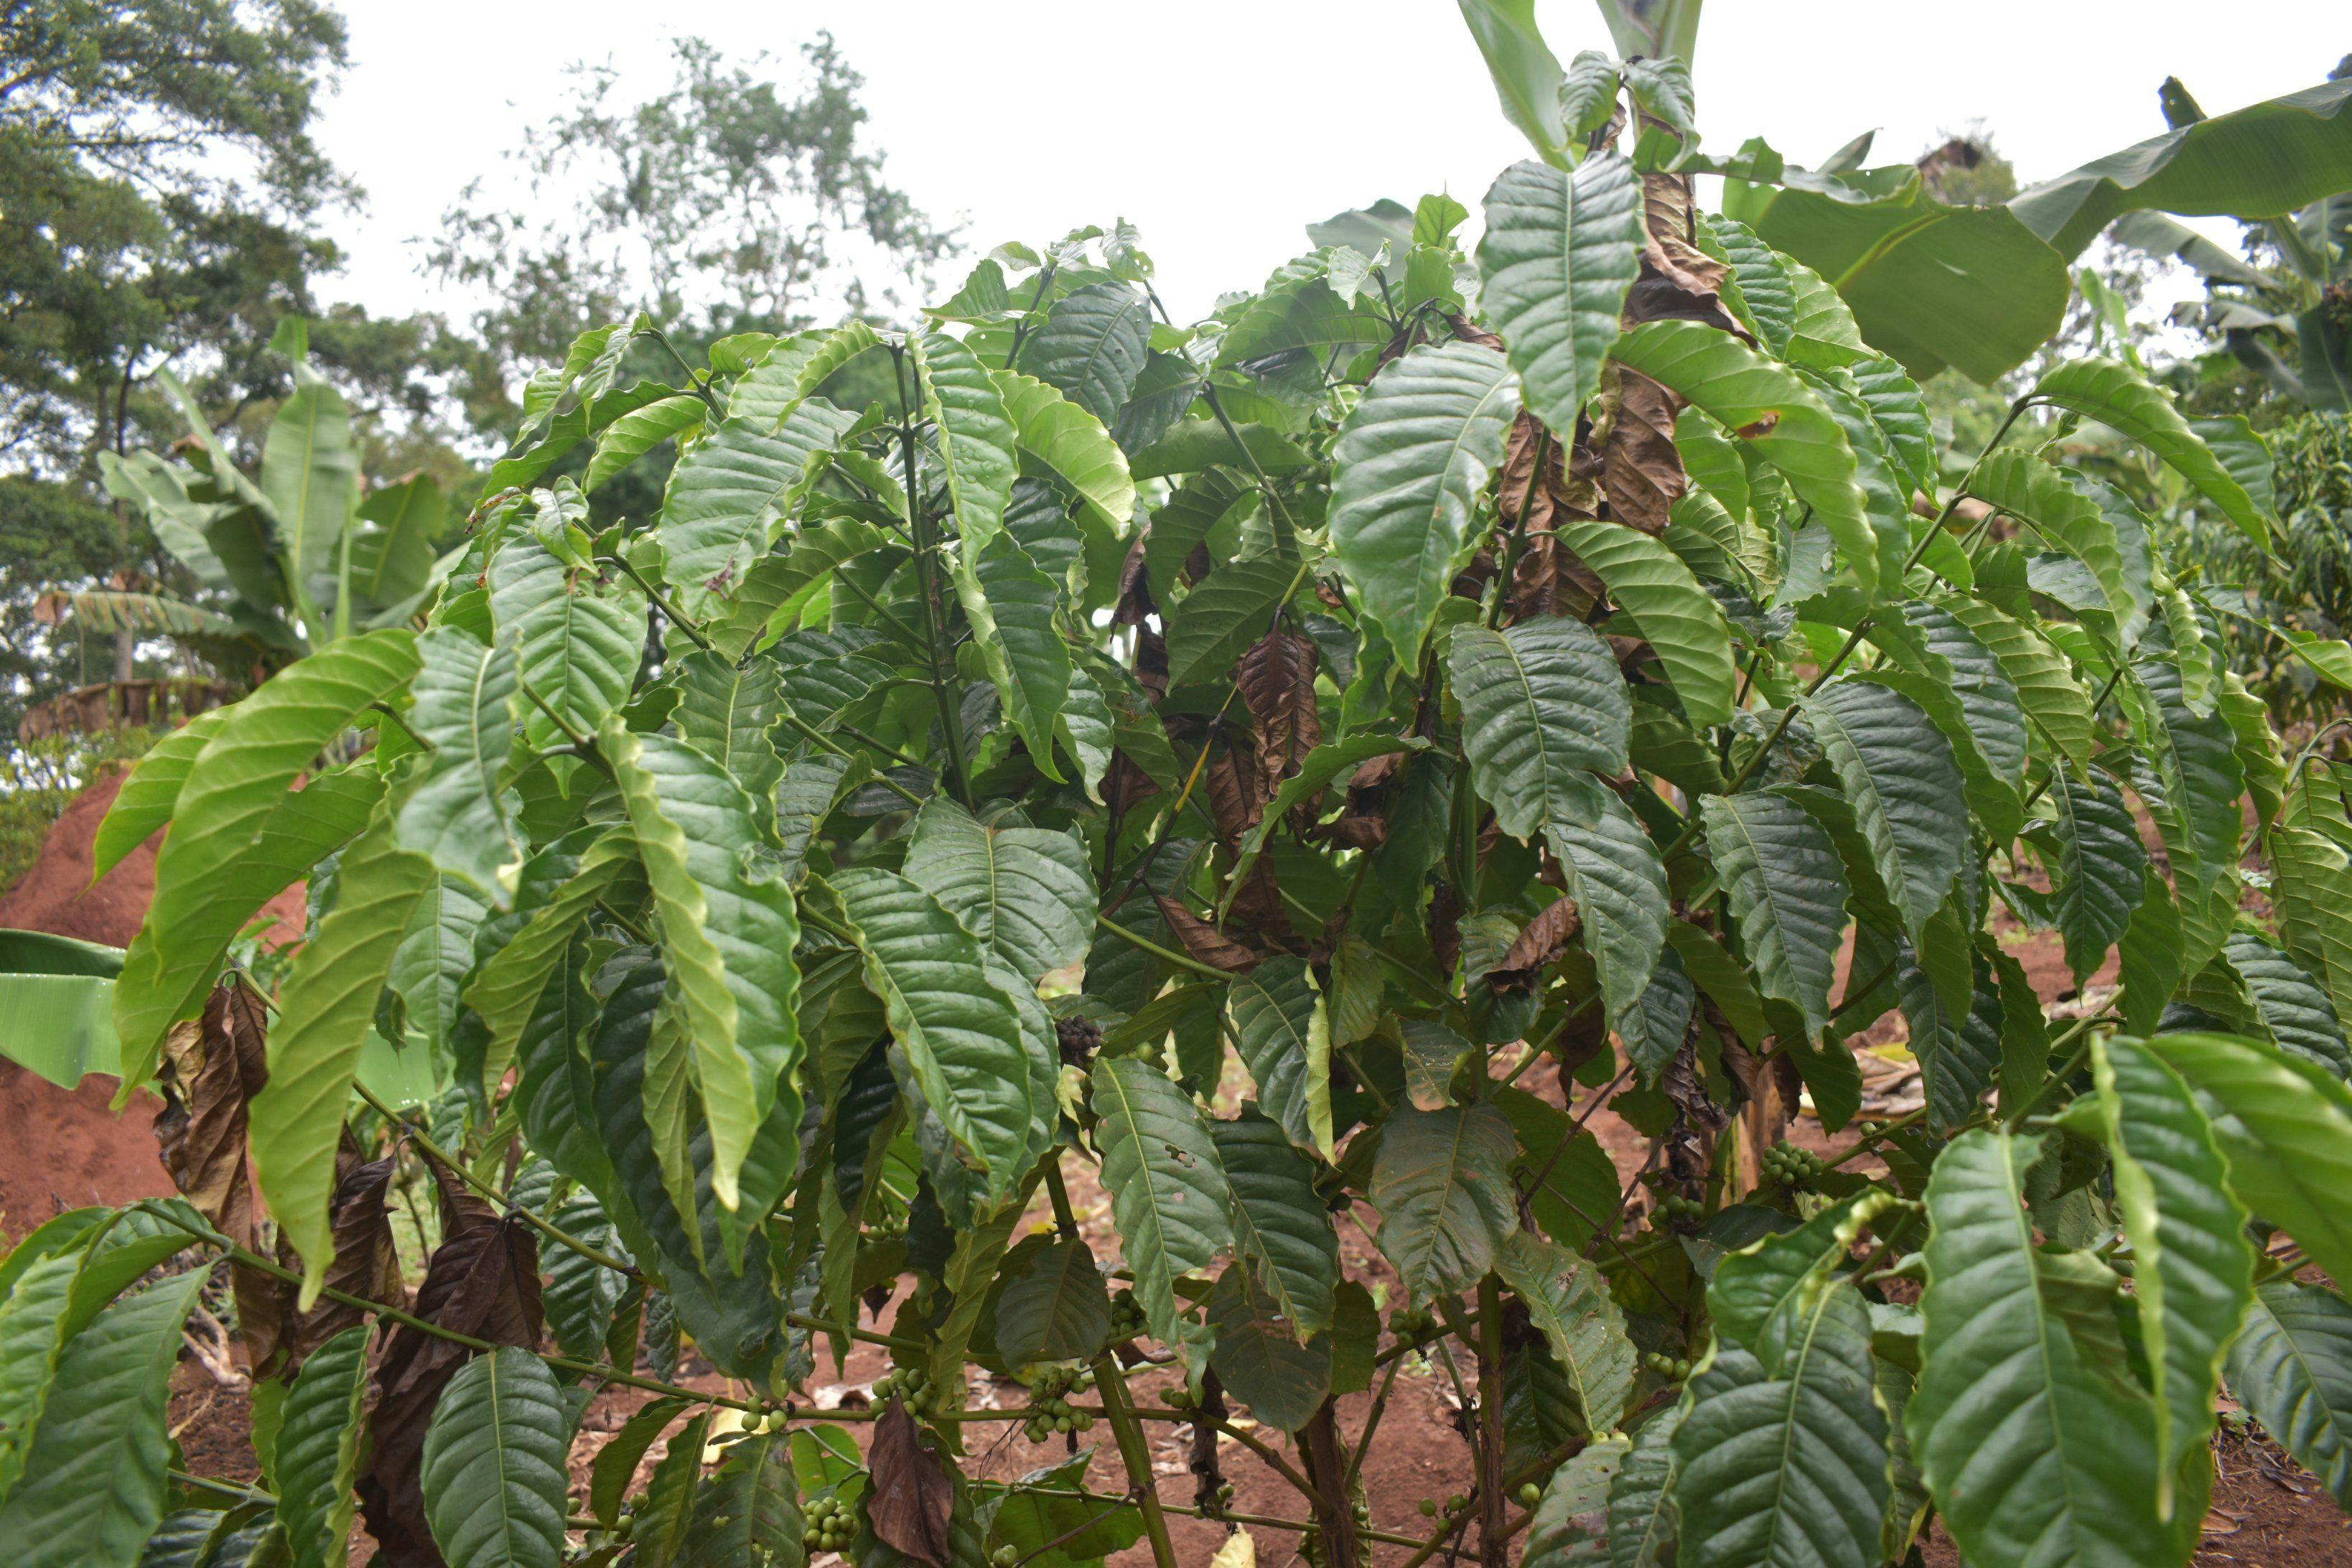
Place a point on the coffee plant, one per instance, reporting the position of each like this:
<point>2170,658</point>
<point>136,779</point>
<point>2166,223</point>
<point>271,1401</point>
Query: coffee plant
<point>1287,769</point>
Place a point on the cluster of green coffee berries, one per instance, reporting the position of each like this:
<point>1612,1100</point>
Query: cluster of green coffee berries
<point>1408,1323</point>
<point>1049,1401</point>
<point>1127,1319</point>
<point>885,1227</point>
<point>1673,1208</point>
<point>1792,1167</point>
<point>1673,1368</point>
<point>828,1525</point>
<point>1453,1505</point>
<point>910,1385</point>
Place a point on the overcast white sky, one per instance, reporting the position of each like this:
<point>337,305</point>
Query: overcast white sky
<point>1221,126</point>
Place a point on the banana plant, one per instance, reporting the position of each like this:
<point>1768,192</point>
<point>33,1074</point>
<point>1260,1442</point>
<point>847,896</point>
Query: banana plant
<point>2291,322</point>
<point>284,560</point>
<point>1286,769</point>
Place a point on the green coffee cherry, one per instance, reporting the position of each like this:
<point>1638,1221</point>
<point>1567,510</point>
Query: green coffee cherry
<point>1429,1508</point>
<point>1530,1494</point>
<point>827,1525</point>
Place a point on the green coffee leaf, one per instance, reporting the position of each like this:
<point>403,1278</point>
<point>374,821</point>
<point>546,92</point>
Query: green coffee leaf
<point>1410,463</point>
<point>1441,1181</point>
<point>493,1473</point>
<point>1559,251</point>
<point>1167,1193</point>
<point>1542,704</point>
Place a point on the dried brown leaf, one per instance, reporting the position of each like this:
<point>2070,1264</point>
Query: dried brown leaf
<point>1679,282</point>
<point>1277,676</point>
<point>1470,332</point>
<point>913,1496</point>
<point>1201,940</point>
<point>216,1062</point>
<point>1230,781</point>
<point>1642,472</point>
<point>1125,785</point>
<point>1208,1413</point>
<point>1538,944</point>
<point>482,1281</point>
<point>1152,662</point>
<point>1134,601</point>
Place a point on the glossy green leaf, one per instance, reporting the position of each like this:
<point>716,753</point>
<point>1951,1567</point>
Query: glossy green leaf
<point>1957,1043</point>
<point>1668,610</point>
<point>730,712</point>
<point>639,431</point>
<point>2288,1006</point>
<point>93,1482</point>
<point>455,815</point>
<point>1559,251</point>
<point>493,1473</point>
<point>33,1331</point>
<point>1167,1191</point>
<point>208,877</point>
<point>2311,888</point>
<point>1071,443</point>
<point>725,499</point>
<point>1225,615</point>
<point>1901,780</point>
<point>1056,1309</point>
<point>2097,877</point>
<point>2268,158</point>
<point>2192,1266</point>
<point>963,1037</point>
<point>318,1450</point>
<point>1787,889</point>
<point>577,644</point>
<point>1781,1455</point>
<point>727,926</point>
<point>1931,284</point>
<point>2069,520</point>
<point>1614,874</point>
<point>2046,689</point>
<point>1410,463</point>
<point>2032,1450</point>
<point>1568,1302</point>
<point>507,988</point>
<point>2281,1124</point>
<point>1526,73</point>
<point>1261,1359</point>
<point>146,800</point>
<point>1640,1505</point>
<point>1281,1226</point>
<point>1091,345</point>
<point>1542,702</point>
<point>1026,893</point>
<point>1441,1186</point>
<point>747,1514</point>
<point>1284,1033</point>
<point>310,472</point>
<point>2292,1367</point>
<point>2190,783</point>
<point>2118,396</point>
<point>1774,413</point>
<point>324,1015</point>
<point>1011,604</point>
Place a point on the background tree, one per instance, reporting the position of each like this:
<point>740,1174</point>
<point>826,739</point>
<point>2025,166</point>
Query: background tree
<point>720,204</point>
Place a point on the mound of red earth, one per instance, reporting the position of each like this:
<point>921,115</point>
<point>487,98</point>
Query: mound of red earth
<point>62,1149</point>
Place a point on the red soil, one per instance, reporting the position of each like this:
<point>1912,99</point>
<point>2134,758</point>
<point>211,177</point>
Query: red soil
<point>61,1149</point>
